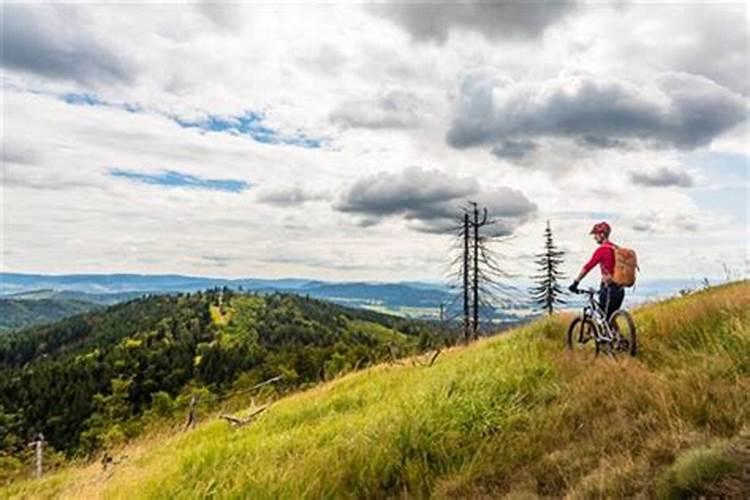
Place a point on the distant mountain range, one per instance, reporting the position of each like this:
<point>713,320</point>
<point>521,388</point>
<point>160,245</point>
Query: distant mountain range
<point>76,292</point>
<point>414,299</point>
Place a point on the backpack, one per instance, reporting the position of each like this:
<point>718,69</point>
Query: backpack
<point>626,264</point>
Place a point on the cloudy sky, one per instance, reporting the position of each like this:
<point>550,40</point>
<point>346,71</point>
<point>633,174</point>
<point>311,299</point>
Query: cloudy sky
<point>337,141</point>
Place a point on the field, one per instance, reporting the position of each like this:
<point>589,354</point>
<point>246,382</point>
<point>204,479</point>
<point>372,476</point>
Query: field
<point>513,415</point>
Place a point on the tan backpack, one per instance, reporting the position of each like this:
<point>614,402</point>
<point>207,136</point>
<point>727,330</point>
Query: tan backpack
<point>626,264</point>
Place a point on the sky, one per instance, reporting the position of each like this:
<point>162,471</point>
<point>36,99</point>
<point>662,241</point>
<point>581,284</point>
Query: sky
<point>338,141</point>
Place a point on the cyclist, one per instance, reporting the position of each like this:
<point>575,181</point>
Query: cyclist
<point>611,295</point>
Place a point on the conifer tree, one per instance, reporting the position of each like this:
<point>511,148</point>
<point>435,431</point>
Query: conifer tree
<point>547,292</point>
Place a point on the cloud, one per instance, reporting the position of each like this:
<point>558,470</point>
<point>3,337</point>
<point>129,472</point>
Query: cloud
<point>216,260</point>
<point>514,150</point>
<point>412,191</point>
<point>395,109</point>
<point>329,60</point>
<point>662,177</point>
<point>43,179</point>
<point>654,222</point>
<point>19,154</point>
<point>430,200</point>
<point>222,15</point>
<point>53,41</point>
<point>601,142</point>
<point>678,110</point>
<point>698,32</point>
<point>172,179</point>
<point>287,196</point>
<point>427,21</point>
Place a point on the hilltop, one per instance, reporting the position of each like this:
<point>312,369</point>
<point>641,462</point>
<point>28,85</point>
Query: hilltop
<point>513,415</point>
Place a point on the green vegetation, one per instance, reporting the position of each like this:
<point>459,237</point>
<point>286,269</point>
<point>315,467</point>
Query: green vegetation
<point>97,380</point>
<point>695,470</point>
<point>513,415</point>
<point>22,313</point>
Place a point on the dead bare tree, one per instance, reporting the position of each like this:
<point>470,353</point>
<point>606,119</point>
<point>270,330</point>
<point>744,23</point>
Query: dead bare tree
<point>476,267</point>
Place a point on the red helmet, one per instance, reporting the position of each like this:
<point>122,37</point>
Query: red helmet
<point>601,228</point>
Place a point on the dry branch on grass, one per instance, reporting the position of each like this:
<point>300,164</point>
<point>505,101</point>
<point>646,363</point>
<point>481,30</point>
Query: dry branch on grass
<point>433,357</point>
<point>239,421</point>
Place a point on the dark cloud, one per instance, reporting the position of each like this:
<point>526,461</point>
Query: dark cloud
<point>393,109</point>
<point>430,200</point>
<point>662,177</point>
<point>53,41</point>
<point>601,142</point>
<point>427,21</point>
<point>514,150</point>
<point>412,191</point>
<point>678,110</point>
<point>293,195</point>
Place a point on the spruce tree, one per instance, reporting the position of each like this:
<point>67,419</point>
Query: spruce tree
<point>547,292</point>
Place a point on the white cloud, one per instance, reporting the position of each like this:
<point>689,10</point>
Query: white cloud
<point>384,100</point>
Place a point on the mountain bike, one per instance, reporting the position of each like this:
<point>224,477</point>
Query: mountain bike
<point>614,336</point>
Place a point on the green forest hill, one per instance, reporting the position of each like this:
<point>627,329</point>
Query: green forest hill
<point>514,415</point>
<point>21,313</point>
<point>96,380</point>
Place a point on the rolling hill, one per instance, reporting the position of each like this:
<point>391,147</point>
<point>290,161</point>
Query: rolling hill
<point>511,416</point>
<point>96,378</point>
<point>22,313</point>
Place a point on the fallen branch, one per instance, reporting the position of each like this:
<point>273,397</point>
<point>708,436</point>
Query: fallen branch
<point>266,382</point>
<point>239,421</point>
<point>419,362</point>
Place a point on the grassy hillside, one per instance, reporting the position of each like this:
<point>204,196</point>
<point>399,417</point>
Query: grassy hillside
<point>513,415</point>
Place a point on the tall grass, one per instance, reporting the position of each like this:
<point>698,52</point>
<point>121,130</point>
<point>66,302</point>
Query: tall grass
<point>512,415</point>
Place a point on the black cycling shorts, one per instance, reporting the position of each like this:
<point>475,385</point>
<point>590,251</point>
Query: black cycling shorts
<point>610,298</point>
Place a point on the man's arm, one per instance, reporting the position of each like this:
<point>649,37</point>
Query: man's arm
<point>595,259</point>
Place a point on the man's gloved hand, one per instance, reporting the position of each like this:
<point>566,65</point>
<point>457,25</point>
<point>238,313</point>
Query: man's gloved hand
<point>573,287</point>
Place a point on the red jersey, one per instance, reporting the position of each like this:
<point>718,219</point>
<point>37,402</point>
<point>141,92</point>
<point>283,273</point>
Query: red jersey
<point>605,257</point>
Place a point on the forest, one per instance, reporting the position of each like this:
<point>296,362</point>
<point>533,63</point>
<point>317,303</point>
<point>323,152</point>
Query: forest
<point>19,313</point>
<point>93,380</point>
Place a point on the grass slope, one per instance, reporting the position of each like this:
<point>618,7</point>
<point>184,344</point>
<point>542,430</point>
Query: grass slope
<point>512,415</point>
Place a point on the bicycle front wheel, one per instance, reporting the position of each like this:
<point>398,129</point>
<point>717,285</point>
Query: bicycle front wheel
<point>582,332</point>
<point>624,326</point>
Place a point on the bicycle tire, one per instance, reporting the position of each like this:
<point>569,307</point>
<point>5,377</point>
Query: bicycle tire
<point>572,339</point>
<point>630,335</point>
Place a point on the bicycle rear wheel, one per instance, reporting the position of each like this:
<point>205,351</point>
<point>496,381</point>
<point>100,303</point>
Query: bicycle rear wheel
<point>582,331</point>
<point>623,324</point>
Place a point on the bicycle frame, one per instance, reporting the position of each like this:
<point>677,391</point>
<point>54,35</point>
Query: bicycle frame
<point>595,313</point>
